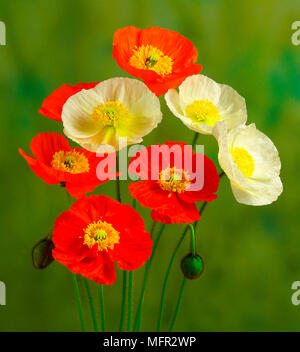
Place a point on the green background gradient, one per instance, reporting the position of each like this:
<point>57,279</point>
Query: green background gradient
<point>252,254</point>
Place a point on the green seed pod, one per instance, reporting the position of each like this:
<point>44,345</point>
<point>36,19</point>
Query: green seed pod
<point>192,266</point>
<point>42,253</point>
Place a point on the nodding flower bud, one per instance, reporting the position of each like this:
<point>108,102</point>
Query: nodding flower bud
<point>42,253</point>
<point>192,266</point>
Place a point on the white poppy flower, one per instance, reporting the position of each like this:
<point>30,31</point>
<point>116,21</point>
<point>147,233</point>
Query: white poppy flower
<point>251,162</point>
<point>116,112</point>
<point>201,102</point>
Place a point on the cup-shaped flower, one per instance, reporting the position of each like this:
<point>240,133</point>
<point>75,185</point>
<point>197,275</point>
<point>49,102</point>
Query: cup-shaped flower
<point>52,105</point>
<point>96,232</point>
<point>174,178</point>
<point>160,57</point>
<point>201,102</point>
<point>251,162</point>
<point>77,169</point>
<point>116,112</point>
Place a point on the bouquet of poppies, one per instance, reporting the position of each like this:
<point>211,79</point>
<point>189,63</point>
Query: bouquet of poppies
<point>106,117</point>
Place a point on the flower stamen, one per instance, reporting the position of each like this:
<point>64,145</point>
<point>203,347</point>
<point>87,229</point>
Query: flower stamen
<point>151,58</point>
<point>110,113</point>
<point>244,161</point>
<point>174,180</point>
<point>102,233</point>
<point>203,111</point>
<point>70,161</point>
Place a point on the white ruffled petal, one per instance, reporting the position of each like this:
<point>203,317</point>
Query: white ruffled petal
<point>173,102</point>
<point>143,114</point>
<point>264,185</point>
<point>198,87</point>
<point>261,148</point>
<point>77,111</point>
<point>232,107</point>
<point>260,193</point>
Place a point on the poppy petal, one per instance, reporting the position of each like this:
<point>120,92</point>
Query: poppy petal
<point>179,213</point>
<point>44,145</point>
<point>52,106</point>
<point>46,173</point>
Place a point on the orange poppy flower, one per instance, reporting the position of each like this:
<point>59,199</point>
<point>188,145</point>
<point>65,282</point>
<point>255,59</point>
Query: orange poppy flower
<point>161,57</point>
<point>76,169</point>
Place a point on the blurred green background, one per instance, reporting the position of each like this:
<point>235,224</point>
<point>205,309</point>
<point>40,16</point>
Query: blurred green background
<point>252,254</point>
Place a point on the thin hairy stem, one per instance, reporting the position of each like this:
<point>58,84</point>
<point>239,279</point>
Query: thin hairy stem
<point>123,301</point>
<point>193,241</point>
<point>138,317</point>
<point>102,312</point>
<point>178,304</point>
<point>118,183</point>
<point>78,301</point>
<point>91,303</point>
<point>129,300</point>
<point>163,294</point>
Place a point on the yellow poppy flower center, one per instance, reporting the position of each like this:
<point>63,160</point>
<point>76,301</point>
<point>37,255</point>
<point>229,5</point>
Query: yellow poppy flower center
<point>151,58</point>
<point>244,161</point>
<point>102,233</point>
<point>109,113</point>
<point>70,161</point>
<point>174,180</point>
<point>203,111</point>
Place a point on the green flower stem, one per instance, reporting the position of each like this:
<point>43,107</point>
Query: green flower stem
<point>138,317</point>
<point>91,303</point>
<point>221,174</point>
<point>134,203</point>
<point>123,301</point>
<point>129,300</point>
<point>129,322</point>
<point>178,304</point>
<point>195,140</point>
<point>162,300</point>
<point>118,183</point>
<point>102,312</point>
<point>78,301</point>
<point>163,294</point>
<point>193,242</point>
<point>123,309</point>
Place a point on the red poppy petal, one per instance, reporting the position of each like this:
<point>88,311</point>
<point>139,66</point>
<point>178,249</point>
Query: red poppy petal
<point>170,43</point>
<point>134,249</point>
<point>178,48</point>
<point>148,162</point>
<point>100,269</point>
<point>210,184</point>
<point>52,106</point>
<point>93,207</point>
<point>46,173</point>
<point>160,87</point>
<point>179,213</point>
<point>149,194</point>
<point>78,190</point>
<point>99,166</point>
<point>44,145</point>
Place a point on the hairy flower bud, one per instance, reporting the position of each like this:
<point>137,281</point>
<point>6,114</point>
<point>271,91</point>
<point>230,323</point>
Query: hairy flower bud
<point>192,266</point>
<point>42,253</point>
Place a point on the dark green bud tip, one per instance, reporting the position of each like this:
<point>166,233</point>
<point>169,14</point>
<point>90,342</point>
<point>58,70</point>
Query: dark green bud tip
<point>42,253</point>
<point>192,266</point>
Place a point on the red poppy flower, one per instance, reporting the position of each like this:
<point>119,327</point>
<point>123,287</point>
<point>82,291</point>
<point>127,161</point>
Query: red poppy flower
<point>96,232</point>
<point>160,57</point>
<point>52,106</point>
<point>76,169</point>
<point>174,178</point>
